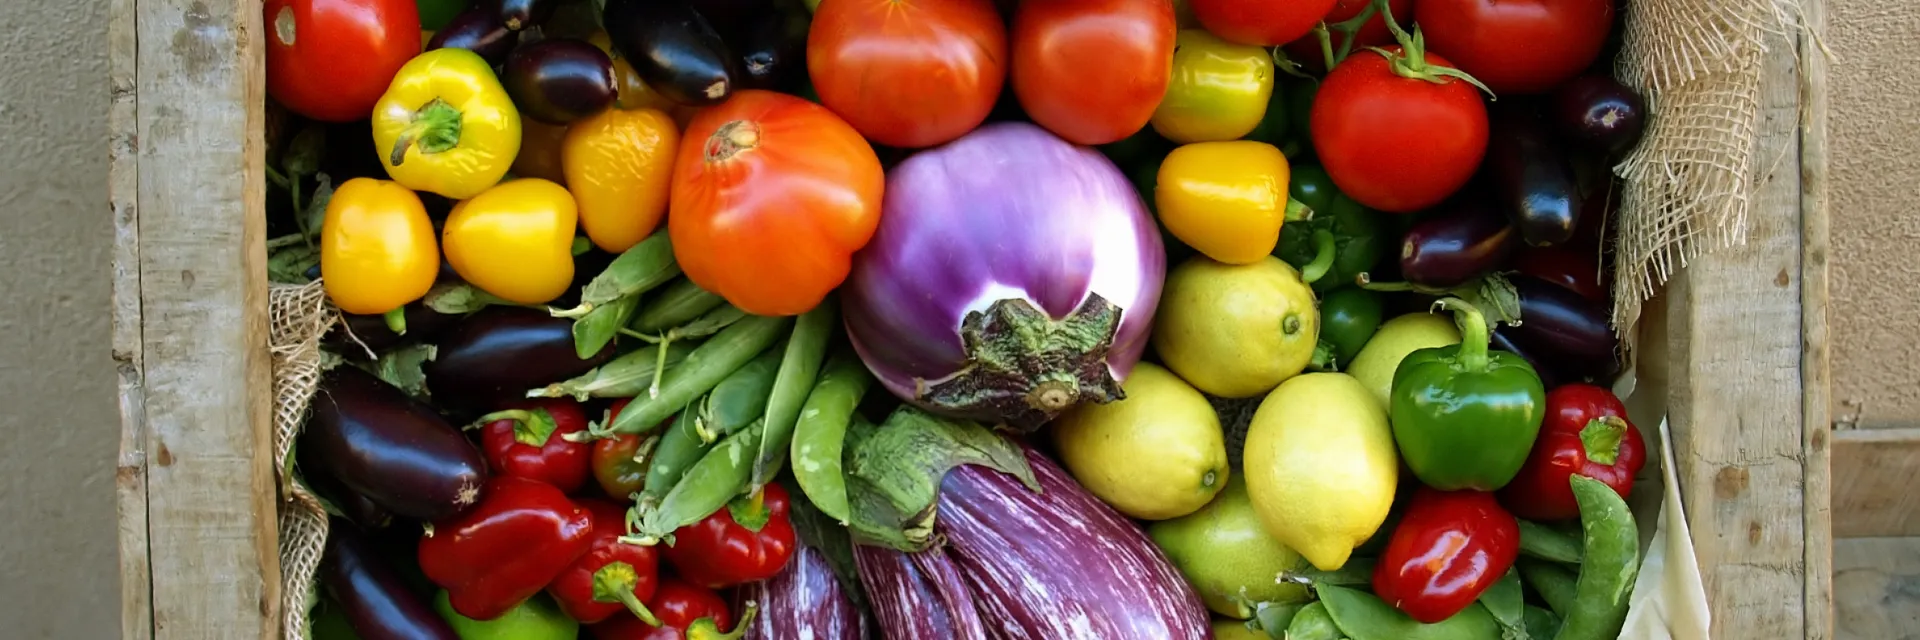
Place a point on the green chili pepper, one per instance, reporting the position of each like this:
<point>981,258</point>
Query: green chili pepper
<point>710,362</point>
<point>593,331</point>
<point>740,398</point>
<point>1612,563</point>
<point>1313,622</point>
<point>640,268</point>
<point>1364,616</point>
<point>820,438</point>
<point>1547,543</point>
<point>1508,605</point>
<point>623,377</point>
<point>1358,239</point>
<point>680,447</point>
<point>1348,318</point>
<point>1541,623</point>
<point>1464,417</point>
<point>799,369</point>
<point>680,303</point>
<point>1555,585</point>
<point>707,486</point>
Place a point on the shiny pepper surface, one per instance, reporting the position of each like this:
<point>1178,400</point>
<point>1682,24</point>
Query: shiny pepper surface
<point>1225,199</point>
<point>1465,417</point>
<point>1447,549</point>
<point>446,125</point>
<point>1219,90</point>
<point>514,240</point>
<point>686,612</point>
<point>613,577</point>
<point>1585,433</point>
<point>619,167</point>
<point>377,249</point>
<point>507,548</point>
<point>529,440</point>
<point>720,551</point>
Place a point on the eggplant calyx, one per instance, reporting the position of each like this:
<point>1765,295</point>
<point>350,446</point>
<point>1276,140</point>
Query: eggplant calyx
<point>1024,367</point>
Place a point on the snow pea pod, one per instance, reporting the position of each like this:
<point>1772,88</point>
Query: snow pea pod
<point>740,398</point>
<point>623,377</point>
<point>1541,624</point>
<point>1313,622</point>
<point>1508,605</point>
<point>680,303</point>
<point>1546,543</point>
<point>704,368</point>
<point>799,369</point>
<point>1612,562</point>
<point>820,437</point>
<point>1364,616</point>
<point>708,486</point>
<point>640,268</point>
<point>680,447</point>
<point>1554,584</point>
<point>593,331</point>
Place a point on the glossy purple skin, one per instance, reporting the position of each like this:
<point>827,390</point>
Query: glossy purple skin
<point>917,596</point>
<point>1008,210</point>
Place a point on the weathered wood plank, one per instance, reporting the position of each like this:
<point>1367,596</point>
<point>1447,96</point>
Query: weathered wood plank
<point>1873,585</point>
<point>1873,494</point>
<point>1816,378</point>
<point>123,196</point>
<point>206,373</point>
<point>1737,395</point>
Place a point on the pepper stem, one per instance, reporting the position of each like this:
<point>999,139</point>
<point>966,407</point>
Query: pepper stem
<point>614,582</point>
<point>1323,254</point>
<point>531,428</point>
<point>435,128</point>
<point>1474,335</point>
<point>1602,437</point>
<point>396,320</point>
<point>1297,211</point>
<point>1323,359</point>
<point>707,629</point>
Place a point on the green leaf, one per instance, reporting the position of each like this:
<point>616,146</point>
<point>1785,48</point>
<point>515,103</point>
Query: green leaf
<point>459,298</point>
<point>894,472</point>
<point>405,368</point>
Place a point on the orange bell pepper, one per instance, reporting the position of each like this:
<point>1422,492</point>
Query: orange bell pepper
<point>619,166</point>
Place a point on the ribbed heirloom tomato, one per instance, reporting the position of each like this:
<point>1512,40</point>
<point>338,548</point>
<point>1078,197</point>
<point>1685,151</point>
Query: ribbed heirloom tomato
<point>771,196</point>
<point>331,59</point>
<point>1092,71</point>
<point>908,73</point>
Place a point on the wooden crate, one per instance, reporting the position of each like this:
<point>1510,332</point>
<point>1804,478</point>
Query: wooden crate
<point>1742,335</point>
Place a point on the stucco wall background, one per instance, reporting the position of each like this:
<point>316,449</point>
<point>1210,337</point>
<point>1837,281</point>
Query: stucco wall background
<point>59,559</point>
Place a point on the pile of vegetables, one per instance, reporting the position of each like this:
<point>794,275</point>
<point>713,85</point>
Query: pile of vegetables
<point>841,319</point>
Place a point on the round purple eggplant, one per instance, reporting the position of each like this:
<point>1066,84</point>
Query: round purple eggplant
<point>1531,178</point>
<point>478,30</point>
<point>1463,240</point>
<point>391,448</point>
<point>1599,113</point>
<point>374,597</point>
<point>521,14</point>
<point>559,80</point>
<point>673,48</point>
<point>498,353</point>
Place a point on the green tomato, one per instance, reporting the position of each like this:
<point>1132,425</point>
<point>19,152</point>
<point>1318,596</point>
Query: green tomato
<point>1218,91</point>
<point>538,618</point>
<point>435,14</point>
<point>1348,317</point>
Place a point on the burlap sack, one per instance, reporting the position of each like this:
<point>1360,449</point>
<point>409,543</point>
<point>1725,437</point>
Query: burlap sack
<point>299,316</point>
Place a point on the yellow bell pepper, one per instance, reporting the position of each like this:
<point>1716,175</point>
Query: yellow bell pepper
<point>446,125</point>
<point>619,166</point>
<point>1225,199</point>
<point>377,250</point>
<point>1219,90</point>
<point>514,240</point>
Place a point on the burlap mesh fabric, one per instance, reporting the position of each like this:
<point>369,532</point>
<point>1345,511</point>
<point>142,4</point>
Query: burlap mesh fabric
<point>299,315</point>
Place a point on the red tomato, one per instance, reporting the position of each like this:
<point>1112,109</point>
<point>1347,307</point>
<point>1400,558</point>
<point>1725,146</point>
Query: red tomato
<point>1092,71</point>
<point>1264,23</point>
<point>1517,46</point>
<point>331,59</point>
<point>1396,143</point>
<point>771,196</point>
<point>908,74</point>
<point>1372,33</point>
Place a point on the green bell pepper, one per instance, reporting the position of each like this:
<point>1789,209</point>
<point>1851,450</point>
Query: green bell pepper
<point>1465,417</point>
<point>1358,240</point>
<point>1348,317</point>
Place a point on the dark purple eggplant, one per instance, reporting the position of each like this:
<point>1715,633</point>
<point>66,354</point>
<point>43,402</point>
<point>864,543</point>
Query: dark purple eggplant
<point>498,353</point>
<point>1532,179</point>
<point>521,14</point>
<point>673,48</point>
<point>1599,113</point>
<point>804,601</point>
<point>772,48</point>
<point>361,333</point>
<point>1557,323</point>
<point>732,18</point>
<point>391,448</point>
<point>1461,241</point>
<point>559,80</point>
<point>478,30</point>
<point>358,508</point>
<point>376,601</point>
<point>918,596</point>
<point>1550,376</point>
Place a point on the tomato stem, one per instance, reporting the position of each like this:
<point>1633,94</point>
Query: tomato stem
<point>731,139</point>
<point>1411,62</point>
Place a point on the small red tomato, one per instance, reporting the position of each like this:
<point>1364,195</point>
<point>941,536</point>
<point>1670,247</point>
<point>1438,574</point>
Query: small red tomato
<point>1264,23</point>
<point>1585,433</point>
<point>528,440</point>
<point>1393,142</point>
<point>908,74</point>
<point>1517,46</point>
<point>331,60</point>
<point>1092,71</point>
<point>1372,33</point>
<point>720,551</point>
<point>1576,268</point>
<point>1447,549</point>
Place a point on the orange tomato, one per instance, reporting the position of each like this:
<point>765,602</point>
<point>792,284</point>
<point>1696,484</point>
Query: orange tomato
<point>1092,71</point>
<point>772,194</point>
<point>908,74</point>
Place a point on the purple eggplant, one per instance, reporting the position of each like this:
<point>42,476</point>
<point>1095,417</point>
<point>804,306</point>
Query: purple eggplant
<point>355,507</point>
<point>1465,239</point>
<point>1557,323</point>
<point>559,80</point>
<point>673,48</point>
<point>478,30</point>
<point>918,596</point>
<point>1599,113</point>
<point>1532,178</point>
<point>391,448</point>
<point>1058,564</point>
<point>772,47</point>
<point>374,597</point>
<point>805,601</point>
<point>521,14</point>
<point>362,333</point>
<point>498,353</point>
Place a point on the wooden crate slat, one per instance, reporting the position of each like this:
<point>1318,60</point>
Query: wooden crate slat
<point>123,195</point>
<point>1873,483</point>
<point>1816,376</point>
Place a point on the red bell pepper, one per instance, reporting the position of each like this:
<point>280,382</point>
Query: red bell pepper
<point>1447,549</point>
<point>528,440</point>
<point>505,549</point>
<point>721,551</point>
<point>613,577</point>
<point>686,611</point>
<point>1586,432</point>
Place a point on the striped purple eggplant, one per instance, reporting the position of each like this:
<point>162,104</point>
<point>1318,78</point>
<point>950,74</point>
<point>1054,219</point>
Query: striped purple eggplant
<point>803,602</point>
<point>918,596</point>
<point>1058,564</point>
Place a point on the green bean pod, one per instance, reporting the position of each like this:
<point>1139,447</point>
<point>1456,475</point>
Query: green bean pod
<point>680,447</point>
<point>799,369</point>
<point>704,368</point>
<point>1364,616</point>
<point>1313,622</point>
<point>623,377</point>
<point>593,331</point>
<point>1555,584</point>
<point>819,440</point>
<point>707,486</point>
<point>741,397</point>
<point>680,303</point>
<point>1547,543</point>
<point>1612,563</point>
<point>1508,605</point>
